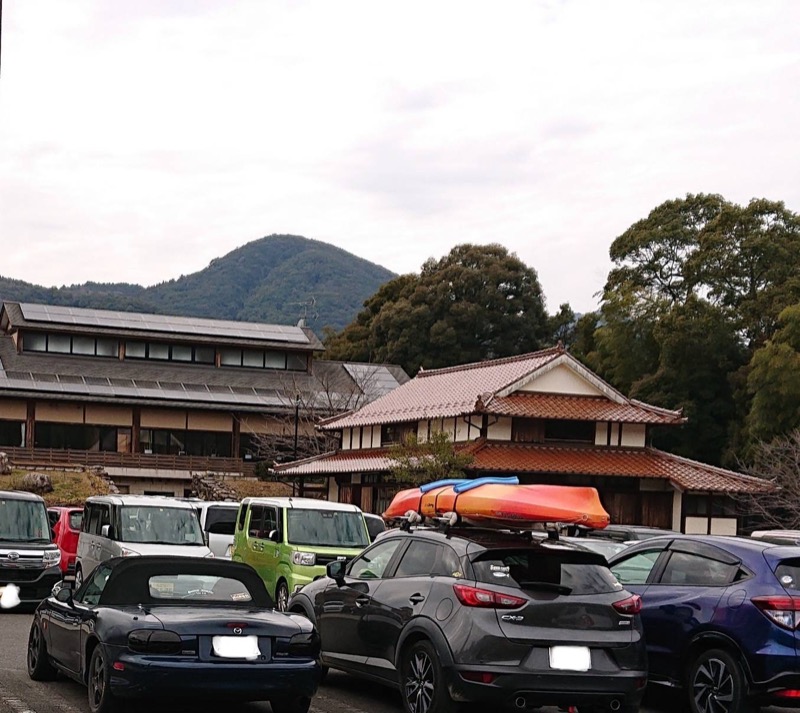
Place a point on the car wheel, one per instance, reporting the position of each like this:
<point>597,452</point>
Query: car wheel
<point>101,700</point>
<point>717,684</point>
<point>39,666</point>
<point>282,596</point>
<point>285,704</point>
<point>78,577</point>
<point>422,684</point>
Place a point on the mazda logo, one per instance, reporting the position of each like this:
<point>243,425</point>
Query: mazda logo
<point>12,556</point>
<point>237,630</point>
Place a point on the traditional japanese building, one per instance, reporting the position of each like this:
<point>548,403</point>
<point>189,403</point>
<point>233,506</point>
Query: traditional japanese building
<point>152,398</point>
<point>545,418</point>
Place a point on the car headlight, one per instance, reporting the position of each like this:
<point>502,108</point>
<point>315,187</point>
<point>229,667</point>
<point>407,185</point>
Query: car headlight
<point>52,557</point>
<point>304,558</point>
<point>126,552</point>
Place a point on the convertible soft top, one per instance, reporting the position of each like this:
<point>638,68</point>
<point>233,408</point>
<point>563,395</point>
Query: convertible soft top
<point>128,582</point>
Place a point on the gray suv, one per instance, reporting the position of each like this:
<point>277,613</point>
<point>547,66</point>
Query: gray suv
<point>481,615</point>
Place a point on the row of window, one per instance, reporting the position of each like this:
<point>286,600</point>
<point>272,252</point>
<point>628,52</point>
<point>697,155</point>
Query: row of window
<point>54,343</point>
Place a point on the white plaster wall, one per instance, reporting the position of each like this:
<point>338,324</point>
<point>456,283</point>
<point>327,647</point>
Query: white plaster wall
<point>346,435</point>
<point>561,380</point>
<point>333,490</point>
<point>463,430</point>
<point>723,525</point>
<point>696,525</point>
<point>501,430</point>
<point>601,433</point>
<point>375,439</point>
<point>633,435</point>
<point>422,431</point>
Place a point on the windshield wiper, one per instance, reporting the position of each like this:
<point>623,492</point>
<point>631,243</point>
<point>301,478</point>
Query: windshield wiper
<point>547,586</point>
<point>168,542</point>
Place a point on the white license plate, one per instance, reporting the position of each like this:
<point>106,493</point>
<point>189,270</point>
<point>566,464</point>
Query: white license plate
<point>570,658</point>
<point>236,647</point>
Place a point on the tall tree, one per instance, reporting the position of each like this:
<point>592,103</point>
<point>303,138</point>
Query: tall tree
<point>774,381</point>
<point>477,302</point>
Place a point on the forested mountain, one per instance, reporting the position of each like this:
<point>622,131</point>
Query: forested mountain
<point>276,279</point>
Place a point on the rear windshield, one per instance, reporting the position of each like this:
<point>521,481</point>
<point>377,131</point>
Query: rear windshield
<point>221,520</point>
<point>75,520</point>
<point>527,568</point>
<point>788,574</point>
<point>192,587</point>
<point>160,525</point>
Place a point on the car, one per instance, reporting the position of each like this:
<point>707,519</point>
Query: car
<point>65,522</point>
<point>154,626</point>
<point>720,616</point>
<point>218,520</point>
<point>132,525</point>
<point>481,615</point>
<point>289,540</point>
<point>628,533</point>
<point>780,537</point>
<point>375,525</point>
<point>605,547</point>
<point>29,560</point>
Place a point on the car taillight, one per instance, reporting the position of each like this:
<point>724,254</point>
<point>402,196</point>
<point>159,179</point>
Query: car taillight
<point>475,597</point>
<point>154,641</point>
<point>630,605</point>
<point>784,611</point>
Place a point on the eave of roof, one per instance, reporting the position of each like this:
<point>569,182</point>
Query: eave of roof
<point>504,458</point>
<point>579,408</point>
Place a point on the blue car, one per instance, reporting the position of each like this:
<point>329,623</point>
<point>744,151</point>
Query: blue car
<point>720,617</point>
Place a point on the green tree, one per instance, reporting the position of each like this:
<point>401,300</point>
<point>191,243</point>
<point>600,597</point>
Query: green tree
<point>774,381</point>
<point>417,462</point>
<point>478,302</point>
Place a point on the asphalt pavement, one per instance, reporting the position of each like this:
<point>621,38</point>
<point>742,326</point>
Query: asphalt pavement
<point>340,693</point>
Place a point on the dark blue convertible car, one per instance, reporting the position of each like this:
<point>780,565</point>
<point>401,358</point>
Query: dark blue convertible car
<point>720,617</point>
<point>162,626</point>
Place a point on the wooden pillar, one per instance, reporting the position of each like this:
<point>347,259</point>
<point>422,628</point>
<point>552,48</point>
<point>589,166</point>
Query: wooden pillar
<point>30,424</point>
<point>236,437</point>
<point>136,429</point>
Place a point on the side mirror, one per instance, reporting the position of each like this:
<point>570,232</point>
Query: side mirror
<point>64,595</point>
<point>335,570</point>
<point>107,531</point>
<point>274,535</point>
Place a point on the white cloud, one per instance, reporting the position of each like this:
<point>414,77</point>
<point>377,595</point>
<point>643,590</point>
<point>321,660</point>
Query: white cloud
<point>138,141</point>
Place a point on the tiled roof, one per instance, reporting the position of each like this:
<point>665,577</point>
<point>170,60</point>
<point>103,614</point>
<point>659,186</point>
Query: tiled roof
<point>484,387</point>
<point>444,393</point>
<point>581,408</point>
<point>505,458</point>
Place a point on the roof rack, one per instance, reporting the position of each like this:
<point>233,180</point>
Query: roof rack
<point>446,521</point>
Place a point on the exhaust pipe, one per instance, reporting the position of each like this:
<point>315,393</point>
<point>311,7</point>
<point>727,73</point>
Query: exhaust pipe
<point>520,702</point>
<point>615,705</point>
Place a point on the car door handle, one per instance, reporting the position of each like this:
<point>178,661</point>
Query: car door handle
<point>416,598</point>
<point>362,601</point>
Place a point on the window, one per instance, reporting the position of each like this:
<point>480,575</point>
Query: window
<point>58,343</point>
<point>242,516</point>
<point>107,348</point>
<point>253,359</point>
<point>373,563</point>
<point>34,342</point>
<point>230,357</point>
<point>533,569</point>
<point>89,594</point>
<point>204,355</point>
<point>156,350</point>
<point>83,345</point>
<point>275,360</point>
<point>527,430</point>
<point>636,569</point>
<point>135,350</point>
<point>91,523</point>
<point>693,569</point>
<point>576,431</point>
<point>419,560</point>
<point>326,528</point>
<point>181,352</point>
<point>296,362</point>
<point>256,521</point>
<point>396,432</point>
<point>208,588</point>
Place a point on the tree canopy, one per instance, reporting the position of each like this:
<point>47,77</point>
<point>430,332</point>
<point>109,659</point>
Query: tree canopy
<point>478,302</point>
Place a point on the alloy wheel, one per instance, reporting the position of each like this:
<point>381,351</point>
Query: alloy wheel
<point>97,681</point>
<point>34,648</point>
<point>282,597</point>
<point>713,687</point>
<point>420,683</point>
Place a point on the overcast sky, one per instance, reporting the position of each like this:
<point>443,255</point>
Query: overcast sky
<point>140,139</point>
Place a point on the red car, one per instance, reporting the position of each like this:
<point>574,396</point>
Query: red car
<point>66,525</point>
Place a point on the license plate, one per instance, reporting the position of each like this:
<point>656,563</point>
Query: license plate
<point>570,658</point>
<point>236,647</point>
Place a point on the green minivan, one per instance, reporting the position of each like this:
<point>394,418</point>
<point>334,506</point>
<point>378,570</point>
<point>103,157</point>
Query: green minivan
<point>289,541</point>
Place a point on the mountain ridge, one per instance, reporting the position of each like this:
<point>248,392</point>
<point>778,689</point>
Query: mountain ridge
<point>277,279</point>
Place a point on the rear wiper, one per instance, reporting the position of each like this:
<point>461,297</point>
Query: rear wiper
<point>549,586</point>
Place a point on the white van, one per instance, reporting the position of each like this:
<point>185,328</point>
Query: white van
<point>125,525</point>
<point>218,520</point>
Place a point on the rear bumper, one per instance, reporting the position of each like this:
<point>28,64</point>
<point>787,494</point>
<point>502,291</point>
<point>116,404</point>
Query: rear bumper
<point>515,688</point>
<point>146,676</point>
<point>769,693</point>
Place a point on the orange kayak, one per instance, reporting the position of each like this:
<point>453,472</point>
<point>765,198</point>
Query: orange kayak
<point>503,504</point>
